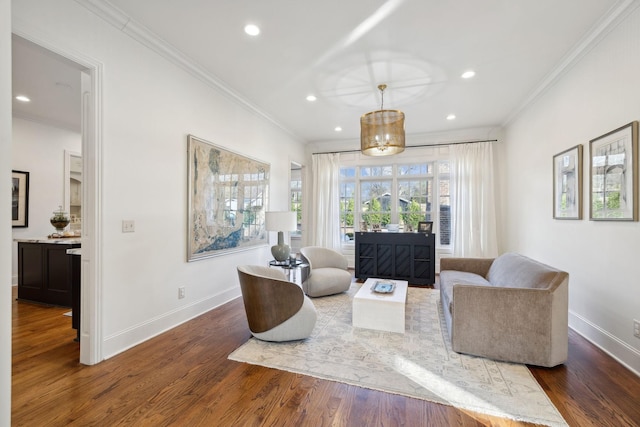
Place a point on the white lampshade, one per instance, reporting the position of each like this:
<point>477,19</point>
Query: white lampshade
<point>281,221</point>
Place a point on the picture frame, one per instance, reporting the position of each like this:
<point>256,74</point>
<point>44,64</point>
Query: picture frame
<point>613,175</point>
<point>19,199</point>
<point>425,227</point>
<point>227,200</point>
<point>567,184</point>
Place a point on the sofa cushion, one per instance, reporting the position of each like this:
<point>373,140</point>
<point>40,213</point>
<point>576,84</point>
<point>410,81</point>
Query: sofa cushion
<point>517,271</point>
<point>448,278</point>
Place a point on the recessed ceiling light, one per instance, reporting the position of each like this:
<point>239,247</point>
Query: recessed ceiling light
<point>311,98</point>
<point>252,30</point>
<point>338,129</point>
<point>23,98</point>
<point>451,117</point>
<point>468,74</point>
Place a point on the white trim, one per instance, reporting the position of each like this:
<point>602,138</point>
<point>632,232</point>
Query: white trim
<point>615,15</point>
<point>610,344</point>
<point>121,341</point>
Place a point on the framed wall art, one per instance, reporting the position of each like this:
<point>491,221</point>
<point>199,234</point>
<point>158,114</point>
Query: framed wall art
<point>613,178</point>
<point>227,200</point>
<point>567,184</point>
<point>19,199</point>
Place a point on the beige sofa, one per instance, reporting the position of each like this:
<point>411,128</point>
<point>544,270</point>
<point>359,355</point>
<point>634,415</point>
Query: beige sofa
<point>510,308</point>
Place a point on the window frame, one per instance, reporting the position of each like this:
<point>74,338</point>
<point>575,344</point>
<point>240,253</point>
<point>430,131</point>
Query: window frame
<point>437,176</point>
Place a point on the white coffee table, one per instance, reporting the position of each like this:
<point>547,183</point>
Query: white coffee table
<point>383,312</point>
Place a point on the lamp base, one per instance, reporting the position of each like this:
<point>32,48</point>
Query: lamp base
<point>280,252</point>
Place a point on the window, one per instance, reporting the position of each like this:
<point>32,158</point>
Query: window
<point>347,202</point>
<point>404,194</point>
<point>296,197</point>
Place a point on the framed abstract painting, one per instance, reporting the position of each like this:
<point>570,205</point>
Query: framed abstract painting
<point>227,200</point>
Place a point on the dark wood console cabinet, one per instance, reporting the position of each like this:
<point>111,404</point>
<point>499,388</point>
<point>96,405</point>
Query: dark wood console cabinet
<point>45,273</point>
<point>402,256</point>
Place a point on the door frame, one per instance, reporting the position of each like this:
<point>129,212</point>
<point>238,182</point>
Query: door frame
<point>91,322</point>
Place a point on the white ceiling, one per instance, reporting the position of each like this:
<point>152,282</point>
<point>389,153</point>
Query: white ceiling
<point>50,81</point>
<point>341,50</point>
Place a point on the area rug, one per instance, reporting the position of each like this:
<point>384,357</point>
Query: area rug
<point>418,363</point>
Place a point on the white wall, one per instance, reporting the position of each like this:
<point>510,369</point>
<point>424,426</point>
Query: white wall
<point>5,217</point>
<point>599,94</point>
<point>149,107</point>
<point>39,149</point>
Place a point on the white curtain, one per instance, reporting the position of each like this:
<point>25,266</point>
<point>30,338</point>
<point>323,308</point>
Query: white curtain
<point>325,212</point>
<point>474,204</point>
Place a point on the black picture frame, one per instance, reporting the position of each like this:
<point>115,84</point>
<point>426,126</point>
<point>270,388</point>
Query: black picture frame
<point>425,227</point>
<point>19,199</point>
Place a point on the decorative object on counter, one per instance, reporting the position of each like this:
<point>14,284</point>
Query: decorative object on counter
<point>65,235</point>
<point>60,220</point>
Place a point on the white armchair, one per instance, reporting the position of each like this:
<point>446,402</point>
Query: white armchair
<point>328,272</point>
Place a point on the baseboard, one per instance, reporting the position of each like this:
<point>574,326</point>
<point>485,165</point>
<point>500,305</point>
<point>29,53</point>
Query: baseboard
<point>610,344</point>
<point>126,339</point>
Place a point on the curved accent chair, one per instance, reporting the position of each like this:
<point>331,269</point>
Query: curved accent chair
<point>277,310</point>
<point>328,272</point>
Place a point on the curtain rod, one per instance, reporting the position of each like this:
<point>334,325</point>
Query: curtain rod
<point>414,146</point>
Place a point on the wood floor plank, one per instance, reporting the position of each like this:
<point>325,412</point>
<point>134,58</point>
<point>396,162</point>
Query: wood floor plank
<point>183,377</point>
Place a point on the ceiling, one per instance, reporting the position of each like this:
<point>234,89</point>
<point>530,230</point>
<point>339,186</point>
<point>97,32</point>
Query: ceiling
<point>341,51</point>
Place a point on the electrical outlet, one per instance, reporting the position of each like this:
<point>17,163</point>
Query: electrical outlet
<point>181,292</point>
<point>128,226</point>
<point>636,328</point>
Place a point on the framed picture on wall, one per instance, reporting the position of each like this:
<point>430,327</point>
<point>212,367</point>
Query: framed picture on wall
<point>19,199</point>
<point>567,184</point>
<point>227,200</point>
<point>613,175</point>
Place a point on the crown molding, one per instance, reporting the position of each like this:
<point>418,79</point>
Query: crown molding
<point>599,31</point>
<point>120,20</point>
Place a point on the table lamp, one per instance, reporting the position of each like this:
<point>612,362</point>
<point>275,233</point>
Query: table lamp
<point>280,221</point>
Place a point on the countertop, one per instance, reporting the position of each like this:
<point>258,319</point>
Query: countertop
<point>54,241</point>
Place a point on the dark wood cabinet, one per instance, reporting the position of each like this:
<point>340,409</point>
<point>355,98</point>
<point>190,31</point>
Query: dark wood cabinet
<point>45,273</point>
<point>402,256</point>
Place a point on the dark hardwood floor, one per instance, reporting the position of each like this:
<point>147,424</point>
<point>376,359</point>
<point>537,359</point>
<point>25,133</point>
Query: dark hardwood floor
<point>183,378</point>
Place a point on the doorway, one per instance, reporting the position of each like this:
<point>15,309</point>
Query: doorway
<point>64,96</point>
